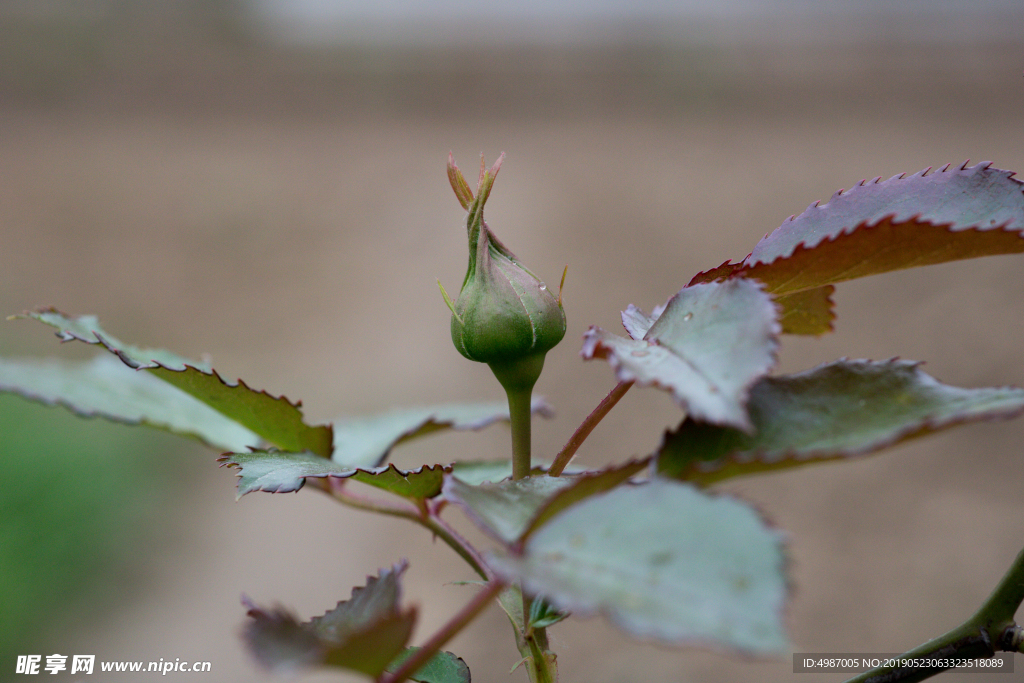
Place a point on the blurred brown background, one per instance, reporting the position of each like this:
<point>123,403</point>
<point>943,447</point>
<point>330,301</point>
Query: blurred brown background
<point>211,178</point>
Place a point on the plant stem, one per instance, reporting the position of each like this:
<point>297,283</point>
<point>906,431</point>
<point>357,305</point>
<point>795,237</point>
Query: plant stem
<point>521,416</point>
<point>445,633</point>
<point>587,426</point>
<point>542,667</point>
<point>991,629</point>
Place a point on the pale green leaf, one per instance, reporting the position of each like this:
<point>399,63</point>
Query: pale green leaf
<point>708,346</point>
<point>509,510</point>
<point>504,510</point>
<point>663,561</point>
<point>837,410</point>
<point>105,387</point>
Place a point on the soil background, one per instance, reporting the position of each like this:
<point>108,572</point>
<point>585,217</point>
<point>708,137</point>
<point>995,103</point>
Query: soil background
<point>285,210</point>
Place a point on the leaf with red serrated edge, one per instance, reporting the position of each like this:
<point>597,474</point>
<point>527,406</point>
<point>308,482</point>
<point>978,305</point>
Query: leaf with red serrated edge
<point>708,346</point>
<point>979,198</point>
<point>838,410</point>
<point>881,247</point>
<point>275,419</point>
<point>365,633</point>
<point>806,312</point>
<point>881,226</point>
<point>367,441</point>
<point>423,482</point>
<point>284,472</point>
<point>511,510</point>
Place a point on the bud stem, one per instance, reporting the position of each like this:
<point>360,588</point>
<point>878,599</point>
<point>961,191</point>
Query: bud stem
<point>520,413</point>
<point>518,377</point>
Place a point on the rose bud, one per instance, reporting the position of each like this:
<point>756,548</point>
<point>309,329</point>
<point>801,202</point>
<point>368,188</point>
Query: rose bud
<point>504,315</point>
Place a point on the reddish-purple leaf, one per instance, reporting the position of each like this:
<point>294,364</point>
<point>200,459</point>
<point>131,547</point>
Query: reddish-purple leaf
<point>881,226</point>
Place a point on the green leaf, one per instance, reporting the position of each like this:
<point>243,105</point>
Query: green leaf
<point>880,226</point>
<point>365,633</point>
<point>284,472</point>
<point>510,510</point>
<point>838,410</point>
<point>420,483</point>
<point>663,561</point>
<point>444,667</point>
<point>275,419</point>
<point>104,387</point>
<point>543,615</point>
<point>708,346</point>
<point>367,441</point>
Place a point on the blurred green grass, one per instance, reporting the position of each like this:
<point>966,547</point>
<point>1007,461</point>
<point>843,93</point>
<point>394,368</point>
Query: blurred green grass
<point>81,515</point>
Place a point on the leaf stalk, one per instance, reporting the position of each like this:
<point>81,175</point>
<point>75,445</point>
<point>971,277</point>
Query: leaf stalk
<point>461,619</point>
<point>587,426</point>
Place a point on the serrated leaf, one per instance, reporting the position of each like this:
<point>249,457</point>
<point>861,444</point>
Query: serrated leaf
<point>978,198</point>
<point>275,419</point>
<point>365,633</point>
<point>837,410</point>
<point>284,472</point>
<point>423,482</point>
<point>583,486</point>
<point>881,226</point>
<point>708,346</point>
<point>367,441</point>
<point>663,561</point>
<point>104,387</point>
<point>510,510</point>
<point>443,667</point>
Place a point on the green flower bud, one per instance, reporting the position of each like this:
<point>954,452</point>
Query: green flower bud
<point>504,315</point>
